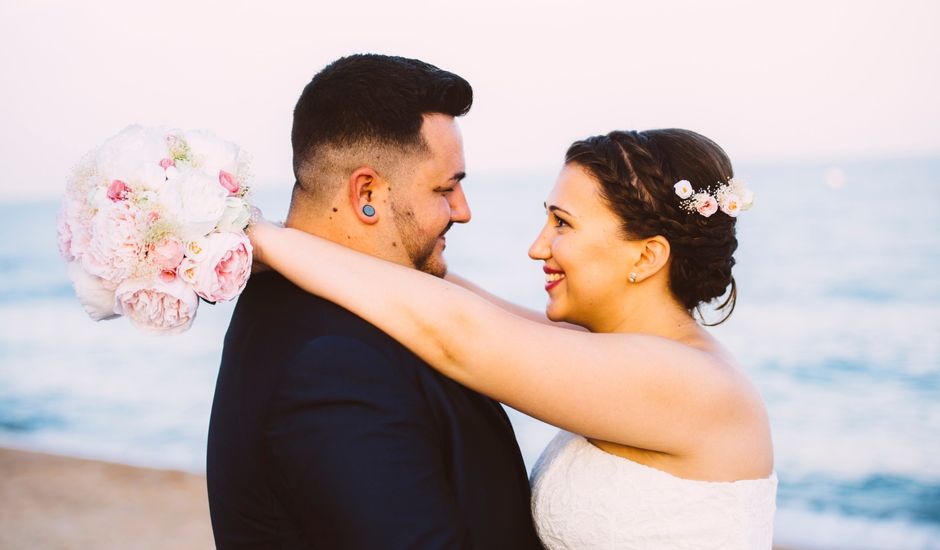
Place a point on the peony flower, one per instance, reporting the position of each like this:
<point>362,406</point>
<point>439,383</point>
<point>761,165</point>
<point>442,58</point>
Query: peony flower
<point>236,216</point>
<point>116,242</point>
<point>64,234</point>
<point>77,221</point>
<point>95,294</point>
<point>224,271</point>
<point>684,189</point>
<point>705,204</point>
<point>118,191</point>
<point>195,201</point>
<point>166,254</point>
<point>211,154</point>
<point>730,204</point>
<point>133,156</point>
<point>157,305</point>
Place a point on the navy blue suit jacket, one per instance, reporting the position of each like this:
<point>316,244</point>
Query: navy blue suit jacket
<point>327,433</point>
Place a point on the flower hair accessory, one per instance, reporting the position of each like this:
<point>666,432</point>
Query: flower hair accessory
<point>731,198</point>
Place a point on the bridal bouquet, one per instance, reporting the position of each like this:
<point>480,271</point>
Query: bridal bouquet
<point>152,221</point>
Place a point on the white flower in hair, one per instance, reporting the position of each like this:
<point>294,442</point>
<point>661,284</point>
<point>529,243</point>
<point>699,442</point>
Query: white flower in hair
<point>740,189</point>
<point>684,189</point>
<point>730,204</point>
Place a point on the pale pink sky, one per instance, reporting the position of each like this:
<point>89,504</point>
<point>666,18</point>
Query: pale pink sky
<point>779,81</point>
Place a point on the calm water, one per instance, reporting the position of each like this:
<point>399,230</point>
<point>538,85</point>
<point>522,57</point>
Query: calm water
<point>838,323</point>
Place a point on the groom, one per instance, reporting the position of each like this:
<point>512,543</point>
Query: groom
<point>325,432</point>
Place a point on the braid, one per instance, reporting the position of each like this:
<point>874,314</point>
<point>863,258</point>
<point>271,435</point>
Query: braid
<point>636,172</point>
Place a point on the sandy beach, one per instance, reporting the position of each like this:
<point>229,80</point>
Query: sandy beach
<point>57,502</point>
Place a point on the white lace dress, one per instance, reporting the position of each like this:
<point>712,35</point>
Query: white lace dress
<point>583,497</point>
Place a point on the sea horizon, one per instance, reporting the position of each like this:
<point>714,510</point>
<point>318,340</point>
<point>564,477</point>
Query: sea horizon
<point>838,325</point>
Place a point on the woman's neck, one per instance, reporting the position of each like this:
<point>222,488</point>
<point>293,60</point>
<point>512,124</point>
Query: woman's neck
<point>656,316</point>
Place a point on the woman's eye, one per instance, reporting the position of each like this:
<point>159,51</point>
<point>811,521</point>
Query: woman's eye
<point>560,222</point>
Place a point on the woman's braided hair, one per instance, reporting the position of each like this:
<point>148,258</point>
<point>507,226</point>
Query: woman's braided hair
<point>637,172</point>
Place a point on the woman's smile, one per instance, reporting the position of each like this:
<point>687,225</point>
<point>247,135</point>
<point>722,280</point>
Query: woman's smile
<point>552,277</point>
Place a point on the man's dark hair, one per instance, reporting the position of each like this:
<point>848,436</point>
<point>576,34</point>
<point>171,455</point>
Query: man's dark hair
<point>367,105</point>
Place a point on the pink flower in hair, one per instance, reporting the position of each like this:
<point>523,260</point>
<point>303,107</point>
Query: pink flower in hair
<point>705,204</point>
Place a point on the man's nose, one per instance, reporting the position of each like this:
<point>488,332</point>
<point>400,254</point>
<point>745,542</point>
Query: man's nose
<point>459,209</point>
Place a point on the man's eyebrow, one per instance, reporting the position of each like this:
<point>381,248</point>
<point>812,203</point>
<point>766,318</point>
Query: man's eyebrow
<point>553,208</point>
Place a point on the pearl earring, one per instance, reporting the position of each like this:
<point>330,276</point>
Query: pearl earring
<point>633,277</point>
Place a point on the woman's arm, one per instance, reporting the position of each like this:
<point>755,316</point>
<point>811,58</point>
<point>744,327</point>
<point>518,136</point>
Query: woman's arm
<point>631,389</point>
<point>516,309</point>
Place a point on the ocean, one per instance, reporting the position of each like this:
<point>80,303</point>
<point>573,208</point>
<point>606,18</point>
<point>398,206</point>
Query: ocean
<point>838,324</point>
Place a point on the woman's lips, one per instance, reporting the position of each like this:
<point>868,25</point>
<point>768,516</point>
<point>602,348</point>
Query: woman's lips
<point>552,277</point>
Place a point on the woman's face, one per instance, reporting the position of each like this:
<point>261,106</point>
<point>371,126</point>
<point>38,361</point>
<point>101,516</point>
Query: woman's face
<point>587,261</point>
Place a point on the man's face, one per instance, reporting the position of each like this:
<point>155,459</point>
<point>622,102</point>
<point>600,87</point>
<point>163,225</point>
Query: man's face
<point>432,199</point>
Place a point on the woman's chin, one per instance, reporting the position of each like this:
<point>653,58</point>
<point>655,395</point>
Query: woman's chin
<point>554,313</point>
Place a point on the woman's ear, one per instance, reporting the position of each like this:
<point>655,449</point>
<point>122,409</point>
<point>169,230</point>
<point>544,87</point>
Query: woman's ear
<point>654,256</point>
<point>363,185</point>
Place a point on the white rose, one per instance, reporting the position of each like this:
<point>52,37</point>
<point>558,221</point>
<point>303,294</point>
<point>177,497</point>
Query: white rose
<point>95,294</point>
<point>195,249</point>
<point>195,201</point>
<point>210,153</point>
<point>236,215</point>
<point>188,270</point>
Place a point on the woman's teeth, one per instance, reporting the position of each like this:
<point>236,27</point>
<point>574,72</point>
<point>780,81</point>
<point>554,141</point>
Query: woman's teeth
<point>552,277</point>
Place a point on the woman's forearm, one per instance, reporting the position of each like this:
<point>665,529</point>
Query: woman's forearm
<point>516,309</point>
<point>434,318</point>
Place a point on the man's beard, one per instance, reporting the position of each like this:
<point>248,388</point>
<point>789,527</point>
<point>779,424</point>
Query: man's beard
<point>420,251</point>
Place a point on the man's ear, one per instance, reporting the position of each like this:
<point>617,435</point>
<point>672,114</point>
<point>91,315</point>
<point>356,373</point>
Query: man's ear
<point>653,257</point>
<point>363,186</point>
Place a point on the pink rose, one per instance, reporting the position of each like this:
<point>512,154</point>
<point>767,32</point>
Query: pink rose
<point>157,305</point>
<point>118,191</point>
<point>229,182</point>
<point>224,270</point>
<point>166,163</point>
<point>166,254</point>
<point>706,205</point>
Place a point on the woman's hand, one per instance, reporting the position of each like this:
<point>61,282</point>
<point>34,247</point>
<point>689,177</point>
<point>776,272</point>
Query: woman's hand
<point>260,231</point>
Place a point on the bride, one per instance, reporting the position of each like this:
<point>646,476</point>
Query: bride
<point>664,442</point>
